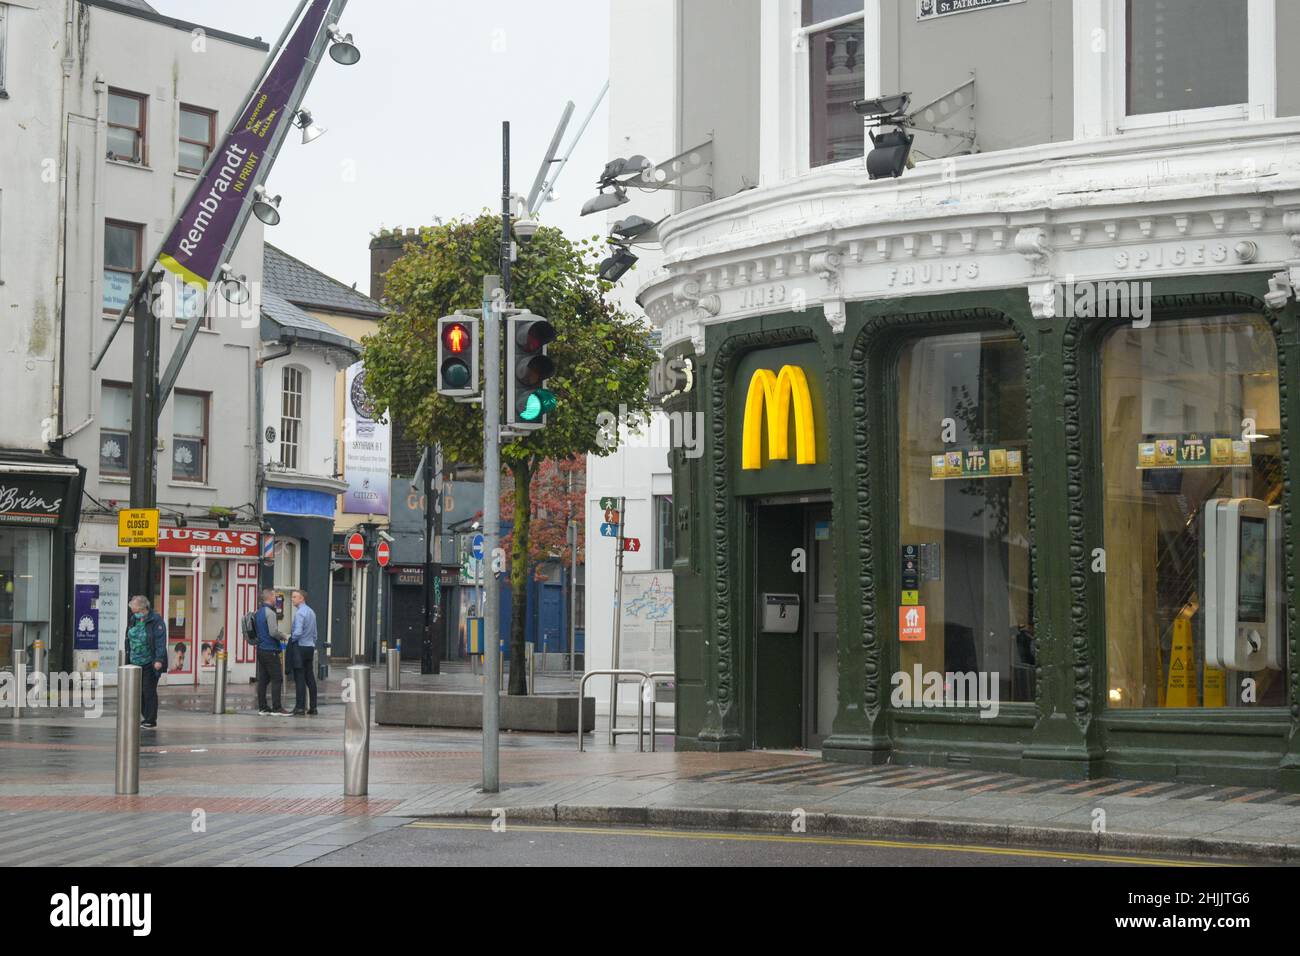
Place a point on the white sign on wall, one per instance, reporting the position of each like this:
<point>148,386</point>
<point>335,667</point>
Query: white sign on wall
<point>929,9</point>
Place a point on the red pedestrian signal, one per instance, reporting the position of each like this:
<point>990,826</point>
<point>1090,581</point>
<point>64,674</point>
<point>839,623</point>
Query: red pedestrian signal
<point>457,357</point>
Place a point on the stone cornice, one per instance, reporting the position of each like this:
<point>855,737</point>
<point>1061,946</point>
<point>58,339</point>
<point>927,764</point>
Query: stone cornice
<point>1221,203</point>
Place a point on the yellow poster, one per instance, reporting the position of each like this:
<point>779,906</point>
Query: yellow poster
<point>1241,453</point>
<point>997,461</point>
<point>1014,462</point>
<point>938,466</point>
<point>1220,451</point>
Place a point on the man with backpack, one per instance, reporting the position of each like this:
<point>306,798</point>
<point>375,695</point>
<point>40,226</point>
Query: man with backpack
<point>266,630</point>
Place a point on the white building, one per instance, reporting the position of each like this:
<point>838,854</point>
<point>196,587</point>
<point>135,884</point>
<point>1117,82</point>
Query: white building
<point>110,111</point>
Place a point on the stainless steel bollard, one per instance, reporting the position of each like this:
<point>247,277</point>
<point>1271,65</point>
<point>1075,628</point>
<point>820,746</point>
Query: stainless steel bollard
<point>128,729</point>
<point>38,666</point>
<point>219,686</point>
<point>356,734</point>
<point>395,666</point>
<point>121,655</point>
<point>20,680</point>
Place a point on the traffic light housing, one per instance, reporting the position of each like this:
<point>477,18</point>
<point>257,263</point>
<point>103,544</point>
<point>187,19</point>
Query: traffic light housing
<point>528,366</point>
<point>457,356</point>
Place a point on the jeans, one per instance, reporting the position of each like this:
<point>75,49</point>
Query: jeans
<point>149,693</point>
<point>304,678</point>
<point>269,672</point>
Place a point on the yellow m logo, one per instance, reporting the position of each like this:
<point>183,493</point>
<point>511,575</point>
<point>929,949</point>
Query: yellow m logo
<point>776,392</point>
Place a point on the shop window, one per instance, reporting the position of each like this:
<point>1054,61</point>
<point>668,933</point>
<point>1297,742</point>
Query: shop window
<point>122,252</point>
<point>1181,430</point>
<point>964,540</point>
<point>835,33</point>
<point>25,571</point>
<point>115,431</point>
<point>190,437</point>
<point>663,518</point>
<point>127,114</point>
<point>291,382</point>
<point>198,130</point>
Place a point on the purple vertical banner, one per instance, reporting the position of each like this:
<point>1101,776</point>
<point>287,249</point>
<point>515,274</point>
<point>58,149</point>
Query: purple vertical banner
<point>193,250</point>
<point>85,605</point>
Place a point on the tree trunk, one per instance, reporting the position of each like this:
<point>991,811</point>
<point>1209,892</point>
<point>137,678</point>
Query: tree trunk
<point>523,475</point>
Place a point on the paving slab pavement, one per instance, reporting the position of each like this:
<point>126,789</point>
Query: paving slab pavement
<point>270,792</point>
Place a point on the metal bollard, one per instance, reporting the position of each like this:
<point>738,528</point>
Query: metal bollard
<point>128,729</point>
<point>121,655</point>
<point>356,734</point>
<point>38,659</point>
<point>20,680</point>
<point>219,686</point>
<point>395,666</point>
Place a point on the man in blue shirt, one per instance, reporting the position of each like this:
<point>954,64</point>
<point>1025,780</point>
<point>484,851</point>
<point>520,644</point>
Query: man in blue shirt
<point>267,626</point>
<point>303,635</point>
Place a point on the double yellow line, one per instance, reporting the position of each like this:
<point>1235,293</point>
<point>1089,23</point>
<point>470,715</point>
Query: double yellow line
<point>806,840</point>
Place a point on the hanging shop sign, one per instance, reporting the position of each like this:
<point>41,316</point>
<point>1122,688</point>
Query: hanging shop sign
<point>218,542</point>
<point>1194,451</point>
<point>366,447</point>
<point>932,9</point>
<point>977,463</point>
<point>777,393</point>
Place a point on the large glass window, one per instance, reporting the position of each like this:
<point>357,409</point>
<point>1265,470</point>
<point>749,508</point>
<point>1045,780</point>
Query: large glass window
<point>836,77</point>
<point>1190,419</point>
<point>24,590</point>
<point>966,607</point>
<point>1186,54</point>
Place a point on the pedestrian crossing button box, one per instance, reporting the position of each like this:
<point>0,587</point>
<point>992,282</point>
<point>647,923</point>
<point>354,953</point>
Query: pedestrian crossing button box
<point>780,613</point>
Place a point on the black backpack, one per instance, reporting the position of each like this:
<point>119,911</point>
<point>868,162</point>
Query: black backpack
<point>248,627</point>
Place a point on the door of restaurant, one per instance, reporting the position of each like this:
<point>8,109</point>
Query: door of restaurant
<point>796,680</point>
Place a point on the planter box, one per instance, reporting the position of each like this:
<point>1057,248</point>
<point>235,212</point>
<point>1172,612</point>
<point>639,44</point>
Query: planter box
<point>425,708</point>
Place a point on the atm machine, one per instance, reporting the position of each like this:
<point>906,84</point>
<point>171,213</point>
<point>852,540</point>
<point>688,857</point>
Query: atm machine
<point>1242,576</point>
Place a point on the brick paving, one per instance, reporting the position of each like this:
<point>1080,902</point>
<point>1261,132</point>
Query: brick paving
<point>270,792</point>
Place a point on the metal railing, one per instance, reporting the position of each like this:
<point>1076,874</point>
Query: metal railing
<point>652,680</point>
<point>616,674</point>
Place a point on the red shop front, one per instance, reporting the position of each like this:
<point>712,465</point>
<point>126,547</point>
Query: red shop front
<point>207,581</point>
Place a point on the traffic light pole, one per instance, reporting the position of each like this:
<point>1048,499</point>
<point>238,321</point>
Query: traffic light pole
<point>492,303</point>
<point>428,659</point>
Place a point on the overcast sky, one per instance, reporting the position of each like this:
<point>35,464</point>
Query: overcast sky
<point>417,123</point>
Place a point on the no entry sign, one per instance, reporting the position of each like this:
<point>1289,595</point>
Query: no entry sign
<point>383,554</point>
<point>356,546</point>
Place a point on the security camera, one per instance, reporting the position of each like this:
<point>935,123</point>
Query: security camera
<point>385,536</point>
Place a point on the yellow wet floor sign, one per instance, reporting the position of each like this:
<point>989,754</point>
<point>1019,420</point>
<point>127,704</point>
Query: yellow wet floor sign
<point>1215,687</point>
<point>1181,691</point>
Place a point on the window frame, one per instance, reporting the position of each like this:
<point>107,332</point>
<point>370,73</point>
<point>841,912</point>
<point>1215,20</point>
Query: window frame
<point>138,229</point>
<point>141,131</point>
<point>1101,81</point>
<point>126,387</point>
<point>297,444</point>
<point>4,48</point>
<point>785,86</point>
<point>206,398</point>
<point>209,145</point>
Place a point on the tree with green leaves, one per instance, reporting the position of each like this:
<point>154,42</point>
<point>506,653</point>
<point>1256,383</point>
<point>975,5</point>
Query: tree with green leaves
<point>602,356</point>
